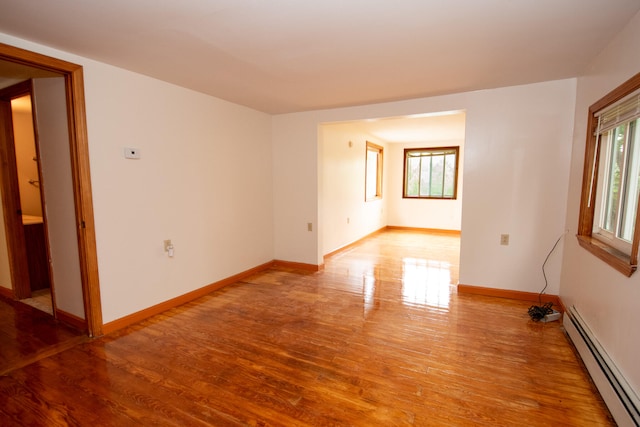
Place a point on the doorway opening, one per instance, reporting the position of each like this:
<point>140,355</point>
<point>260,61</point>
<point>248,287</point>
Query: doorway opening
<point>347,215</point>
<point>31,204</point>
<point>21,65</point>
<point>349,218</point>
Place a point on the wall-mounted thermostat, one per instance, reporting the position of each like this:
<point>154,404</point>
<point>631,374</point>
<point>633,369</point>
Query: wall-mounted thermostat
<point>131,153</point>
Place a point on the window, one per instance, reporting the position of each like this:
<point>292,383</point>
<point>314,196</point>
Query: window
<point>373,172</point>
<point>611,182</point>
<point>431,173</point>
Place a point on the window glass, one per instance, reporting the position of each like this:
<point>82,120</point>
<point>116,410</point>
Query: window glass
<point>628,218</point>
<point>431,173</point>
<point>373,174</point>
<point>618,186</point>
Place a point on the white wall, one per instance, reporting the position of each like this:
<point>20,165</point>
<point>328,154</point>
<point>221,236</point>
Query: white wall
<point>295,188</point>
<point>422,213</point>
<point>204,181</point>
<point>607,300</point>
<point>517,150</point>
<point>347,216</point>
<point>55,159</point>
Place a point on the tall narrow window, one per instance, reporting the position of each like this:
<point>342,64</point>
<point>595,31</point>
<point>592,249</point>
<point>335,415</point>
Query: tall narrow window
<point>608,225</point>
<point>430,173</point>
<point>617,193</point>
<point>373,172</point>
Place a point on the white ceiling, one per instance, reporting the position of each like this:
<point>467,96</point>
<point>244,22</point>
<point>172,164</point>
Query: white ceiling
<point>440,127</point>
<point>282,56</point>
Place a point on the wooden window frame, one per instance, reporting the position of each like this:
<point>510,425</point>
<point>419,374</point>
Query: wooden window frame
<point>622,262</point>
<point>379,150</point>
<point>404,173</point>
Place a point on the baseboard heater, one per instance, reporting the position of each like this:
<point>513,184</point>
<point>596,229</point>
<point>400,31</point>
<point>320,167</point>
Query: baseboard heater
<point>620,398</point>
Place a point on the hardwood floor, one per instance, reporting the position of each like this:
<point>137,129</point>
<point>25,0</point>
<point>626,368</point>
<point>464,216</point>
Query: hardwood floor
<point>28,334</point>
<point>379,338</point>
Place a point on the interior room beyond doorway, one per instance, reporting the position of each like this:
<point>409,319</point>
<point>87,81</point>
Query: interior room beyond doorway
<point>347,214</point>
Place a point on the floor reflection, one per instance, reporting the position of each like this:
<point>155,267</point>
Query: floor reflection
<point>426,282</point>
<point>371,301</point>
<point>423,282</point>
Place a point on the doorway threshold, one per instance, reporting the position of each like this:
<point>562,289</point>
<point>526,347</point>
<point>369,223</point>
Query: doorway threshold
<point>40,300</point>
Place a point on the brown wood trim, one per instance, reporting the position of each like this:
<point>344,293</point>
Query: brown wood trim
<point>352,244</point>
<point>7,293</point>
<point>12,211</point>
<point>17,90</point>
<point>617,94</point>
<point>510,294</point>
<point>141,315</point>
<point>71,320</point>
<point>424,230</point>
<point>589,180</point>
<point>297,265</point>
<point>616,259</point>
<point>79,147</point>
<point>33,59</point>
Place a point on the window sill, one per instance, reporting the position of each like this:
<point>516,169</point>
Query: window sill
<point>427,198</point>
<point>616,259</point>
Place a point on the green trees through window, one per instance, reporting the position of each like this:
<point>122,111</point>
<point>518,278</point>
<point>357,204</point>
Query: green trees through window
<point>431,173</point>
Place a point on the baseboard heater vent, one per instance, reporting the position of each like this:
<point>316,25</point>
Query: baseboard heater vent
<point>616,392</point>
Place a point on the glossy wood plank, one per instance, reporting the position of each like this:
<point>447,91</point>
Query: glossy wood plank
<point>28,335</point>
<point>378,338</point>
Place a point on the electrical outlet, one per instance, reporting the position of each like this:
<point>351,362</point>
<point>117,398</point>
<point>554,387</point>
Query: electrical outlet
<point>504,239</point>
<point>167,245</point>
<point>309,226</point>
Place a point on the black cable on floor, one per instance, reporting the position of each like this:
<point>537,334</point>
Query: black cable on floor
<point>537,312</point>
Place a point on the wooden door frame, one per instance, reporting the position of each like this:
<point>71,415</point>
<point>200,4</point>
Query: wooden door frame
<point>15,230</point>
<point>80,172</point>
<point>11,206</point>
